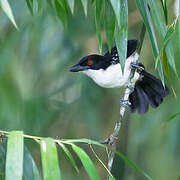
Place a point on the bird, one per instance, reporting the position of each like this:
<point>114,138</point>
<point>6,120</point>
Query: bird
<point>106,71</point>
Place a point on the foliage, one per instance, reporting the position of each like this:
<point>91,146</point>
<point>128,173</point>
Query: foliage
<point>38,96</point>
<point>50,164</point>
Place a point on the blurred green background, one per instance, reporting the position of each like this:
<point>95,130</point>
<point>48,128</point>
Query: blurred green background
<point>40,96</point>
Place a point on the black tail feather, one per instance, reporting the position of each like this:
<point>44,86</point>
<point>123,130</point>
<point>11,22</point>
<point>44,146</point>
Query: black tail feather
<point>143,100</point>
<point>148,90</point>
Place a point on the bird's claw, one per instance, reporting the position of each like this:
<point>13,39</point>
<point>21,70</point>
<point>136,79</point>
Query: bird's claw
<point>125,103</point>
<point>136,66</point>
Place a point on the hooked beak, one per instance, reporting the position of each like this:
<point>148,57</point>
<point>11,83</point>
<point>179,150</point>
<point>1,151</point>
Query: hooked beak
<point>78,67</point>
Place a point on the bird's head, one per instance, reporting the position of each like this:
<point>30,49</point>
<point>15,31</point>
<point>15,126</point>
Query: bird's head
<point>91,62</point>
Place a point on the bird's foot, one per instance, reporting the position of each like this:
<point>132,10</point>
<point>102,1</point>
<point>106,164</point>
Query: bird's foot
<point>125,103</point>
<point>135,65</point>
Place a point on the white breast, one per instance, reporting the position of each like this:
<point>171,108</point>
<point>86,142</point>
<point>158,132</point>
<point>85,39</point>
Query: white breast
<point>112,76</point>
<point>109,78</point>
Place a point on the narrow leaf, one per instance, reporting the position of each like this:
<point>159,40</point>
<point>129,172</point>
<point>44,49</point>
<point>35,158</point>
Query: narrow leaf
<point>98,19</point>
<point>7,9</point>
<point>160,24</point>
<point>61,12</point>
<point>116,4</point>
<point>30,5</point>
<point>86,161</point>
<point>129,162</point>
<point>143,8</point>
<point>109,23</point>
<point>171,30</point>
<point>30,168</point>
<point>88,141</point>
<point>49,160</point>
<point>133,165</point>
<point>122,32</point>
<point>69,156</point>
<point>172,117</point>
<point>165,64</point>
<point>164,5</point>
<point>85,6</point>
<point>14,156</point>
<point>71,5</point>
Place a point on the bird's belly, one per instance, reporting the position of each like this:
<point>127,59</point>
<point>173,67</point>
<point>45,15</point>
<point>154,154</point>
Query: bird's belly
<point>110,83</point>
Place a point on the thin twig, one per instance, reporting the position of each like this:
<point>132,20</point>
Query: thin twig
<point>113,139</point>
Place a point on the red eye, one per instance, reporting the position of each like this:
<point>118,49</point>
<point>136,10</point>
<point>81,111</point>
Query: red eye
<point>90,62</point>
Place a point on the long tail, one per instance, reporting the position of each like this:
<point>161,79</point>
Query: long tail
<point>148,90</point>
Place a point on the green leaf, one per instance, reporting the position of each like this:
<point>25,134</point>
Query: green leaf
<point>30,5</point>
<point>165,64</point>
<point>14,156</point>
<point>69,156</point>
<point>160,24</point>
<point>98,19</point>
<point>61,12</point>
<point>164,5</point>
<point>86,161</point>
<point>171,30</point>
<point>169,33</point>
<point>109,24</point>
<point>71,5</point>
<point>133,165</point>
<point>85,6</point>
<point>143,8</point>
<point>89,141</point>
<point>30,169</point>
<point>49,159</point>
<point>172,117</point>
<point>122,33</point>
<point>116,5</point>
<point>7,9</point>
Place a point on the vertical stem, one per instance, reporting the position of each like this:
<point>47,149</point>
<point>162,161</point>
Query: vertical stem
<point>113,139</point>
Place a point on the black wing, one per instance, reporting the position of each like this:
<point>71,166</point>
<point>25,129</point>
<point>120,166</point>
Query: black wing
<point>131,48</point>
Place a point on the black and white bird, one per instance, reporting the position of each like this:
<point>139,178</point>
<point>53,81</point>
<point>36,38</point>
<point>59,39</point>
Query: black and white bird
<point>106,71</point>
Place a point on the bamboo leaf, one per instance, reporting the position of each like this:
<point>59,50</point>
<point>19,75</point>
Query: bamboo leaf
<point>7,9</point>
<point>164,5</point>
<point>109,24</point>
<point>161,28</point>
<point>165,64</point>
<point>172,117</point>
<point>49,160</point>
<point>133,165</point>
<point>30,168</point>
<point>116,4</point>
<point>14,156</point>
<point>129,162</point>
<point>30,5</point>
<point>122,32</point>
<point>69,156</point>
<point>71,5</point>
<point>86,161</point>
<point>171,30</point>
<point>143,8</point>
<point>85,6</point>
<point>61,12</point>
<point>98,19</point>
<point>88,141</point>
